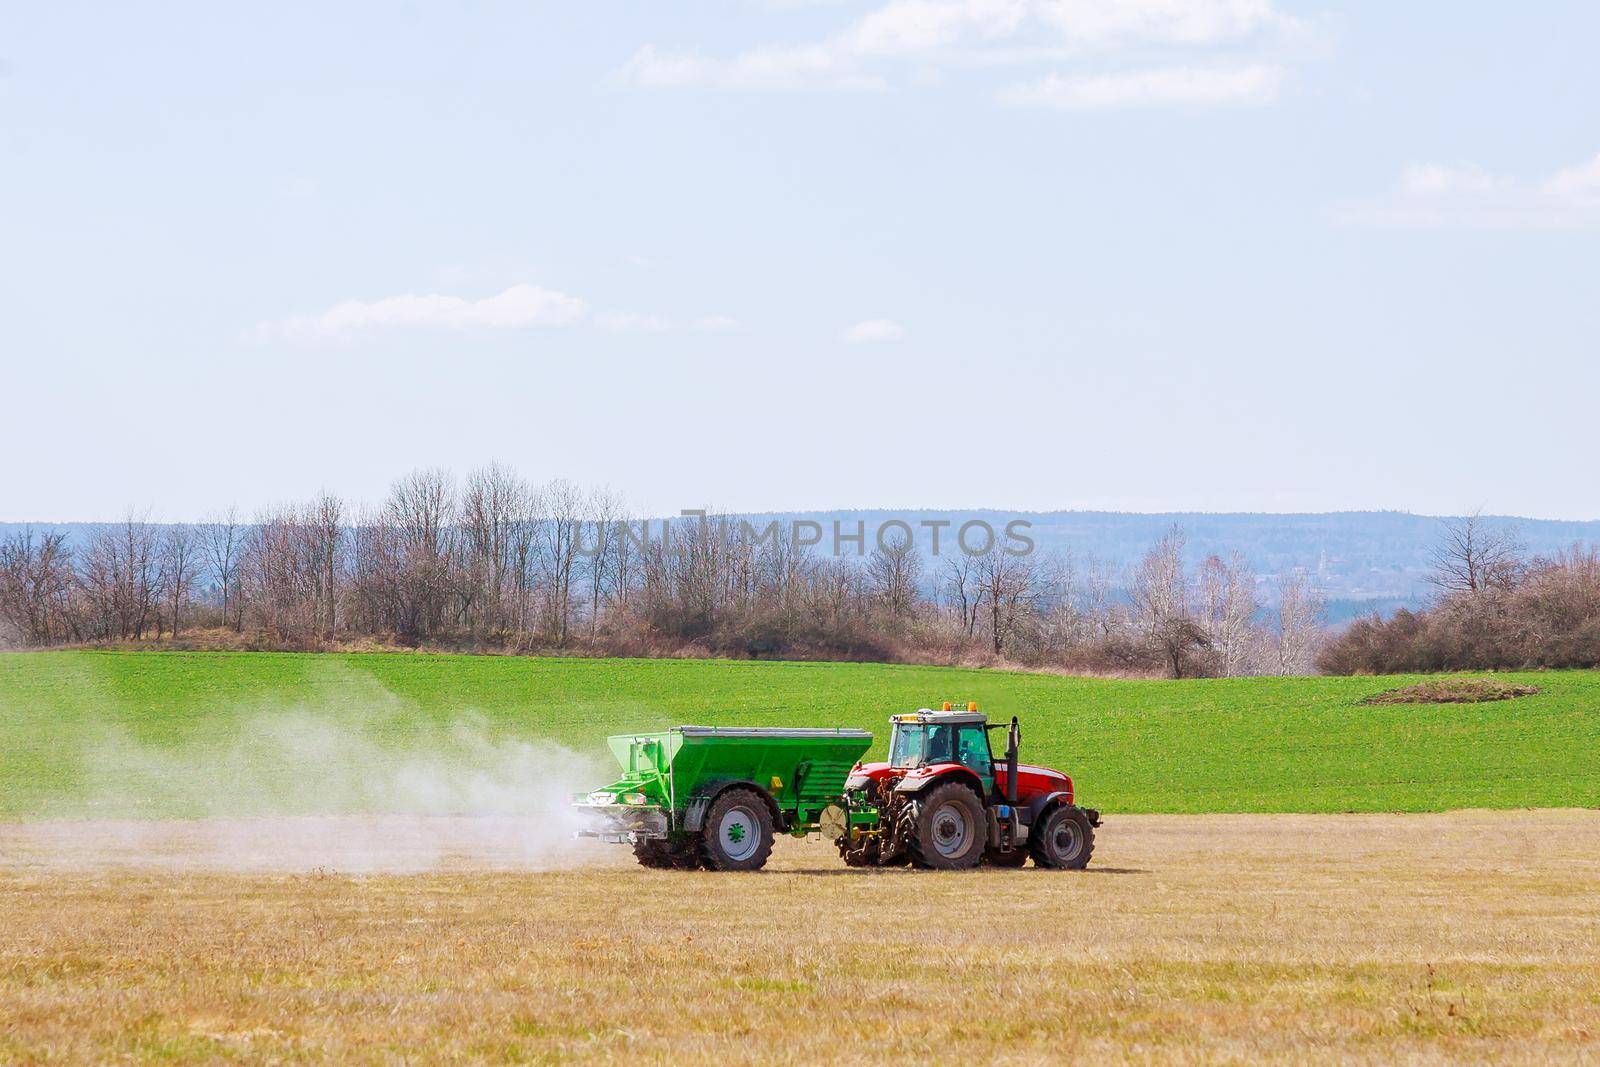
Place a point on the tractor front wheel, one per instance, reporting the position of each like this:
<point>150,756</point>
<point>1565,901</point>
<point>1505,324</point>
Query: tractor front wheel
<point>862,852</point>
<point>1063,839</point>
<point>947,831</point>
<point>737,835</point>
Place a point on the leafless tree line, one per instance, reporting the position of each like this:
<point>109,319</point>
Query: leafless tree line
<point>494,562</point>
<point>1497,608</point>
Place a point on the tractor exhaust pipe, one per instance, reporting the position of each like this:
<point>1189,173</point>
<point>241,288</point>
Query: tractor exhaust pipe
<point>1013,741</point>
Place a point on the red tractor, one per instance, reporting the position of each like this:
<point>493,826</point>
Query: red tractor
<point>941,800</point>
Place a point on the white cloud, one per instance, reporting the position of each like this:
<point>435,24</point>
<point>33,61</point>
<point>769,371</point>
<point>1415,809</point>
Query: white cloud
<point>873,331</point>
<point>1187,22</point>
<point>519,307</point>
<point>1431,179</point>
<point>1432,195</point>
<point>1579,183</point>
<point>906,26</point>
<point>1198,86</point>
<point>915,39</point>
<point>656,69</point>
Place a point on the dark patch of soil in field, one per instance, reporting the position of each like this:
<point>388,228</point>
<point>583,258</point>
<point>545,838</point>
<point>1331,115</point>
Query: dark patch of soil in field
<point>1453,691</point>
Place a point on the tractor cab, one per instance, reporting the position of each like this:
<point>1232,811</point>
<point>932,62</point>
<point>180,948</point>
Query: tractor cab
<point>926,739</point>
<point>926,745</point>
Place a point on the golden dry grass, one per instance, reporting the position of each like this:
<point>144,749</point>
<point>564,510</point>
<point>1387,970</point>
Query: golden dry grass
<point>1228,938</point>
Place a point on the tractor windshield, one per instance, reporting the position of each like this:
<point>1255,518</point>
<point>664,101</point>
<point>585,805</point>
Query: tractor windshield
<point>916,745</point>
<point>905,749</point>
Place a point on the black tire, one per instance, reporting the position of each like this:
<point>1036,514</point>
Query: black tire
<point>737,835</point>
<point>1063,840</point>
<point>668,855</point>
<point>862,852</point>
<point>1011,857</point>
<point>947,832</point>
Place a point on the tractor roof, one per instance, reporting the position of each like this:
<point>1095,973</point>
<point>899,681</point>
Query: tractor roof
<point>927,715</point>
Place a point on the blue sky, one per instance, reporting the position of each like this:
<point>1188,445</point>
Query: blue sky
<point>1220,255</point>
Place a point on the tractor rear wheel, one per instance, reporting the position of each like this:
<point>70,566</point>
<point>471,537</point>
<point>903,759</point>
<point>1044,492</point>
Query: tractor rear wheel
<point>1063,839</point>
<point>947,830</point>
<point>737,835</point>
<point>666,855</point>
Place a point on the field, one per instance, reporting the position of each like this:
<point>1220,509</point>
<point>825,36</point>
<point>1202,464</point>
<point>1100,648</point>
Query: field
<point>1245,745</point>
<point>283,858</point>
<point>1238,938</point>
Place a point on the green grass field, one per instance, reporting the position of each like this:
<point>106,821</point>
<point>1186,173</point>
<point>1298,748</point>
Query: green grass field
<point>1245,745</point>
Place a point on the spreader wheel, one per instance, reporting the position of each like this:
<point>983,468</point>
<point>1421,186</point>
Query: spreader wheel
<point>1063,839</point>
<point>737,835</point>
<point>947,831</point>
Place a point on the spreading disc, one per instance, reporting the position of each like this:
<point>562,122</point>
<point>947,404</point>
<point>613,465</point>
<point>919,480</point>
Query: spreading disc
<point>832,822</point>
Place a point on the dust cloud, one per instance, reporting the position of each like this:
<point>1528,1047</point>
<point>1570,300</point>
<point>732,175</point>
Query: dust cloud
<point>356,780</point>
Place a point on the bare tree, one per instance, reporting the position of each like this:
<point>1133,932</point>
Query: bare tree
<point>1300,613</point>
<point>1160,597</point>
<point>1065,624</point>
<point>1008,588</point>
<point>834,592</point>
<point>600,558</point>
<point>180,554</point>
<point>558,511</point>
<point>628,546</point>
<point>36,587</point>
<point>322,535</point>
<point>1474,557</point>
<point>275,575</point>
<point>495,523</point>
<point>961,586</point>
<point>893,572</point>
<point>1228,607</point>
<point>221,538</point>
<point>1097,604</point>
<point>420,513</point>
<point>121,578</point>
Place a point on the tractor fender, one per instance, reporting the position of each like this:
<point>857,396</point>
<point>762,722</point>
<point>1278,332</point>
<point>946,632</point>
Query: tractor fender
<point>700,802</point>
<point>913,785</point>
<point>1037,808</point>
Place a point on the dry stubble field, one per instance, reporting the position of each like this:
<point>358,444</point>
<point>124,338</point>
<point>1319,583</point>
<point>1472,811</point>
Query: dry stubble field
<point>1192,938</point>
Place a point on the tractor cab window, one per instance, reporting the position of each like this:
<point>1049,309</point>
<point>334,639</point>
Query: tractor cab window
<point>941,744</point>
<point>905,750</point>
<point>972,749</point>
<point>919,745</point>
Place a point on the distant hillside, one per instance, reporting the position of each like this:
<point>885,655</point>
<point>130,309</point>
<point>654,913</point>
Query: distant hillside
<point>1363,560</point>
